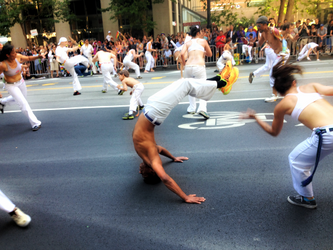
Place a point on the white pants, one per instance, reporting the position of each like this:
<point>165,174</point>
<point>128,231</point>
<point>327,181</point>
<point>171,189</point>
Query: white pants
<point>150,61</point>
<point>5,203</point>
<point>303,158</point>
<point>270,58</point>
<point>106,72</point>
<point>305,49</point>
<point>18,94</point>
<point>226,56</point>
<point>113,69</point>
<point>94,69</point>
<point>199,73</point>
<point>159,105</point>
<point>69,65</point>
<point>247,48</point>
<point>279,58</point>
<point>136,97</point>
<point>129,64</point>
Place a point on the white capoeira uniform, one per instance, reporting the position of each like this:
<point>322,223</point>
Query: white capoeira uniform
<point>224,58</point>
<point>149,58</point>
<point>129,64</point>
<point>305,50</point>
<point>6,204</point>
<point>69,63</point>
<point>270,58</point>
<point>107,68</point>
<point>136,97</point>
<point>18,95</point>
<point>114,72</point>
<point>159,105</point>
<point>197,72</point>
<point>87,51</point>
<point>247,48</point>
<point>303,157</point>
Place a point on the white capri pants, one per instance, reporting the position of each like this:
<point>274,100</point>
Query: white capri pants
<point>69,65</point>
<point>226,56</point>
<point>113,69</point>
<point>5,203</point>
<point>18,94</point>
<point>279,58</point>
<point>302,159</point>
<point>136,97</point>
<point>305,50</point>
<point>129,64</point>
<point>270,58</point>
<point>107,68</point>
<point>150,61</point>
<point>247,48</point>
<point>196,72</point>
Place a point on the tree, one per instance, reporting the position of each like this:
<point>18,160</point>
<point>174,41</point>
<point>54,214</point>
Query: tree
<point>33,14</point>
<point>136,13</point>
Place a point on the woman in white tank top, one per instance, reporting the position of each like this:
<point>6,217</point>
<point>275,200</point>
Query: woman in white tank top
<point>149,56</point>
<point>197,49</point>
<point>305,104</point>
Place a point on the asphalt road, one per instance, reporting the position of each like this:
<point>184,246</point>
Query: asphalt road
<point>77,177</point>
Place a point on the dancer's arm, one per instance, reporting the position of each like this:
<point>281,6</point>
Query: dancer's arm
<point>207,49</point>
<point>23,58</point>
<point>163,151</point>
<point>123,86</point>
<point>322,89</point>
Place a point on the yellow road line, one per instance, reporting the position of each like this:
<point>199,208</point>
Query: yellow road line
<point>49,84</point>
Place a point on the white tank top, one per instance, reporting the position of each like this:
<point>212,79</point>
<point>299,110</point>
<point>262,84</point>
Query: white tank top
<point>195,46</point>
<point>303,100</point>
<point>130,55</point>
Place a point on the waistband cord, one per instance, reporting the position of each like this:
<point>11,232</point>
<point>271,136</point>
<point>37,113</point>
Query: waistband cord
<point>320,133</point>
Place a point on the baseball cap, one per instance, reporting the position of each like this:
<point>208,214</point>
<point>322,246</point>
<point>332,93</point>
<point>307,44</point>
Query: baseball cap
<point>109,31</point>
<point>321,25</point>
<point>262,19</point>
<point>62,39</point>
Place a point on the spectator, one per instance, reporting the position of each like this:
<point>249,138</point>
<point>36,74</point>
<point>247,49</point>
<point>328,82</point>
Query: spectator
<point>322,33</point>
<point>109,36</point>
<point>54,66</point>
<point>220,42</point>
<point>251,31</point>
<point>308,24</point>
<point>317,23</point>
<point>303,34</point>
<point>26,70</point>
<point>231,34</point>
<point>330,33</point>
<point>313,33</point>
<point>164,41</point>
<point>38,64</point>
<point>272,22</point>
<point>140,50</point>
<point>239,38</point>
<point>166,56</point>
<point>292,43</point>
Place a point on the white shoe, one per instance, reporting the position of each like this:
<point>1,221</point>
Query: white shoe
<point>308,58</point>
<point>271,99</point>
<point>318,60</point>
<point>20,218</point>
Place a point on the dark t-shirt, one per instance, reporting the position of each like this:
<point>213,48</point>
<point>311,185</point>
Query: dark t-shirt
<point>157,45</point>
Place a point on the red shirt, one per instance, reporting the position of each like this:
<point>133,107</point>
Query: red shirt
<point>220,43</point>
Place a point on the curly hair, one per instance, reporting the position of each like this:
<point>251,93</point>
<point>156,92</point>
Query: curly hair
<point>148,174</point>
<point>284,76</point>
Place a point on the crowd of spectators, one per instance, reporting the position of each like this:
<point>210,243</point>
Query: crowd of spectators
<point>243,40</point>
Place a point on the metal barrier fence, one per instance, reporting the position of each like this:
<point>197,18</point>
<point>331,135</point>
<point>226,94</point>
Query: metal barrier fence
<point>42,67</point>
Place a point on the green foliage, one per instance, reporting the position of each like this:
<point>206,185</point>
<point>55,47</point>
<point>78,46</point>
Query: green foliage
<point>135,12</point>
<point>42,12</point>
<point>266,9</point>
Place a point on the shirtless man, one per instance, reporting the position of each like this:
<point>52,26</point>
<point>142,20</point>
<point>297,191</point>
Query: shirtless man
<point>274,39</point>
<point>128,62</point>
<point>104,59</point>
<point>157,108</point>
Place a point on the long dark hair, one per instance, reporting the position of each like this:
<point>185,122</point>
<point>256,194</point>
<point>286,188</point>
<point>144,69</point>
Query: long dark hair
<point>194,30</point>
<point>6,50</point>
<point>283,73</point>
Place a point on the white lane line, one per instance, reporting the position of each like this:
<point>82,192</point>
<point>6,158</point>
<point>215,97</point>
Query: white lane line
<point>122,106</point>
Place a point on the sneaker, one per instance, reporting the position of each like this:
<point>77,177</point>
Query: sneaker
<point>299,200</point>
<point>120,92</point>
<point>251,76</point>
<point>91,73</point>
<point>20,218</point>
<point>141,107</point>
<point>115,75</point>
<point>77,93</point>
<point>191,112</point>
<point>204,114</point>
<point>36,127</point>
<point>308,58</point>
<point>2,106</point>
<point>216,71</point>
<point>128,117</point>
<point>104,91</point>
<point>139,77</point>
<point>318,60</point>
<point>271,99</point>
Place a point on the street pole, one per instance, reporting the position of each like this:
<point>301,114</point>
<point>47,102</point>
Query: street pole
<point>208,14</point>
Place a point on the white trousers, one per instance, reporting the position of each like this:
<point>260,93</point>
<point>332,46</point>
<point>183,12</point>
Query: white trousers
<point>197,72</point>
<point>113,70</point>
<point>270,58</point>
<point>150,61</point>
<point>247,48</point>
<point>226,56</point>
<point>94,69</point>
<point>129,64</point>
<point>5,203</point>
<point>279,58</point>
<point>107,68</point>
<point>69,65</point>
<point>303,158</point>
<point>18,94</point>
<point>136,97</point>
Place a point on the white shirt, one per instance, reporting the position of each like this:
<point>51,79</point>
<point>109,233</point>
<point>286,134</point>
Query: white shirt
<point>62,53</point>
<point>108,37</point>
<point>87,50</point>
<point>167,53</point>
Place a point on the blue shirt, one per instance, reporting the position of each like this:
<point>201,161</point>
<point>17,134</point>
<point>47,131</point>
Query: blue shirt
<point>253,33</point>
